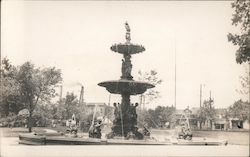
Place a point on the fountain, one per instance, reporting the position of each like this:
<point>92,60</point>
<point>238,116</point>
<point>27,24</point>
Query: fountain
<point>126,120</point>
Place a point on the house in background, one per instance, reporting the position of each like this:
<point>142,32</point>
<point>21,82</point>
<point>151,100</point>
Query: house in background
<point>237,123</point>
<point>221,121</point>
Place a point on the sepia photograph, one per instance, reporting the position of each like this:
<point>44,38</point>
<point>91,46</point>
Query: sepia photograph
<point>124,78</point>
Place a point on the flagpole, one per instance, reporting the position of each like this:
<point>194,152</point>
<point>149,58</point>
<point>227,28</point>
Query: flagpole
<point>175,74</point>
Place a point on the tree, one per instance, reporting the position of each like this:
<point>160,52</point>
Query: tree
<point>42,114</point>
<point>9,89</point>
<point>244,81</point>
<point>150,77</point>
<point>37,85</point>
<point>241,18</point>
<point>240,109</point>
<point>157,117</point>
<point>68,106</point>
<point>206,112</point>
<point>164,114</point>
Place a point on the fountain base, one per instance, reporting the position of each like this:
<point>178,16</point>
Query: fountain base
<point>31,139</point>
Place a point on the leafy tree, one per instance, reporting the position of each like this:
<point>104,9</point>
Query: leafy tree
<point>166,114</point>
<point>244,80</point>
<point>9,89</point>
<point>68,106</point>
<point>157,117</point>
<point>206,112</point>
<point>240,109</point>
<point>42,114</point>
<point>150,77</point>
<point>151,119</point>
<point>241,18</point>
<point>37,85</point>
<point>145,118</point>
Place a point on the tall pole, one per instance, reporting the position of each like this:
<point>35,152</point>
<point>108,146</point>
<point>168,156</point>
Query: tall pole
<point>82,94</point>
<point>81,100</point>
<point>200,95</point>
<point>175,75</point>
<point>210,99</point>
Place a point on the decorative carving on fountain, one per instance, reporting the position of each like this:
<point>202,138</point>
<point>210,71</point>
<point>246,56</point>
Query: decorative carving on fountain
<point>126,67</point>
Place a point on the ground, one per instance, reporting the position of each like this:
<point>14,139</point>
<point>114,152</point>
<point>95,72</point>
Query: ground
<point>233,137</point>
<point>238,146</point>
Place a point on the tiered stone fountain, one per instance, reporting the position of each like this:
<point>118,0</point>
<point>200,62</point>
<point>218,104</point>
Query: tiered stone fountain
<point>125,117</point>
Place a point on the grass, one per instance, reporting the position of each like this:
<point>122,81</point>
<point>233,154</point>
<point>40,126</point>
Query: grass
<point>14,132</point>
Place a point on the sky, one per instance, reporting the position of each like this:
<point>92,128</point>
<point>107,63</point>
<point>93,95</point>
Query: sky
<point>75,36</point>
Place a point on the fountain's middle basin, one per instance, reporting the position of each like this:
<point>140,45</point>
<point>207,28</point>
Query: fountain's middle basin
<point>130,87</point>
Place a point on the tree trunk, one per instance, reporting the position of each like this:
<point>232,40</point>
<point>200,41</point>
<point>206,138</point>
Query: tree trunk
<point>211,124</point>
<point>30,122</point>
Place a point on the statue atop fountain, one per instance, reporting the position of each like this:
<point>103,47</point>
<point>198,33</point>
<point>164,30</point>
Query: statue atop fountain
<point>125,122</point>
<point>128,38</point>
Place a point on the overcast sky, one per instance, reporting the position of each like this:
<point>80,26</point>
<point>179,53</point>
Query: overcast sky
<point>76,38</point>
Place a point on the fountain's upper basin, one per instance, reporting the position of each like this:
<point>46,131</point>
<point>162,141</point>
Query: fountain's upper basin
<point>127,48</point>
<point>130,87</point>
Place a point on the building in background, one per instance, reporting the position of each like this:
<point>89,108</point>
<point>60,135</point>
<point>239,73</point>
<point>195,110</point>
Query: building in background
<point>100,110</point>
<point>221,121</point>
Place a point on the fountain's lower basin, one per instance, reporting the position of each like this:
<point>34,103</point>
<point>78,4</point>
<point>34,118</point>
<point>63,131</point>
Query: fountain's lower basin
<point>31,139</point>
<point>130,87</point>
